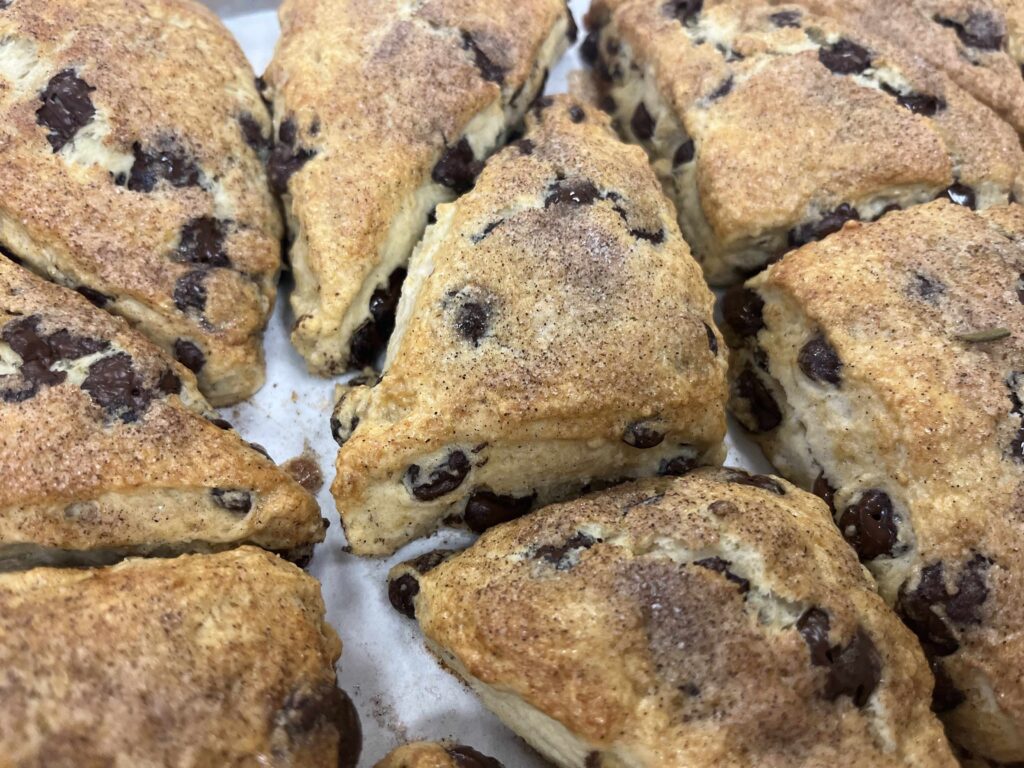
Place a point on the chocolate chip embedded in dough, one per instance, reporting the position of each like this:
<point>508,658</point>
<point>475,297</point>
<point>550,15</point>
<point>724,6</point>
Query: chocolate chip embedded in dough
<point>168,162</point>
<point>684,11</point>
<point>763,408</point>
<point>488,69</point>
<point>712,339</point>
<point>819,361</point>
<point>823,490</point>
<point>684,153</point>
<point>458,167</point>
<point>786,19</point>
<point>721,566</point>
<point>642,435</point>
<point>67,107</point>
<point>189,354</point>
<point>830,221</point>
<point>444,479</point>
<point>743,311</point>
<point>114,384</point>
<point>960,194</point>
<point>869,525</point>
<point>94,297</point>
<point>854,670</point>
<point>981,30</point>
<point>232,499</point>
<point>574,192</point>
<point>485,509</point>
<point>252,132</point>
<point>845,57</point>
<point>202,242</point>
<point>402,594</point>
<point>558,554</point>
<point>764,482</point>
<point>677,466</point>
<point>642,123</point>
<point>472,321</point>
<point>190,291</point>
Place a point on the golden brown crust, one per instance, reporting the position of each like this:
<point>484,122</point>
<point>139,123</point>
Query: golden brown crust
<point>372,96</point>
<point>107,448</point>
<point>669,622</point>
<point>918,406</point>
<point>795,125</point>
<point>554,332</point>
<point>191,256</point>
<point>431,754</point>
<point>207,661</point>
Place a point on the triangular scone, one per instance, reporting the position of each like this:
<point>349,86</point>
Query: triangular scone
<point>553,333</point>
<point>107,448</point>
<point>884,368</point>
<point>383,110</point>
<point>772,129</point>
<point>716,619</point>
<point>204,661</point>
<point>131,140</point>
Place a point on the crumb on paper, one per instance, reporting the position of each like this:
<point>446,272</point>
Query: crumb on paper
<point>305,470</point>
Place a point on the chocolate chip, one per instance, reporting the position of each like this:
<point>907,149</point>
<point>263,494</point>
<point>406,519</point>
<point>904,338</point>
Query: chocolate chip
<point>676,466</point>
<point>960,194</point>
<point>443,480</point>
<point>869,525</point>
<point>350,731</point>
<point>964,607</point>
<point>342,432</point>
<point>232,500</point>
<point>927,287</point>
<point>252,132</point>
<point>287,157</point>
<point>370,338</point>
<point>558,554</point>
<point>114,384</point>
<point>590,47</point>
<point>823,489</point>
<point>95,297</point>
<point>542,102</point>
<point>458,168</point>
<point>917,610</point>
<point>684,153</point>
<point>190,292</point>
<point>306,711</point>
<point>365,345</point>
<point>722,90</point>
<point>642,435</point>
<point>981,30</point>
<point>202,242</point>
<point>486,509</point>
<point>786,19</point>
<point>488,69</point>
<point>593,760</point>
<point>221,423</point>
<point>189,355</point>
<point>813,627</point>
<point>169,383</point>
<point>576,114</point>
<point>467,757</point>
<point>743,310</point>
<point>921,103</point>
<point>525,146</point>
<point>67,107</point>
<point>718,565</point>
<point>168,163</point>
<point>576,192</point>
<point>684,11</point>
<point>945,696</point>
<point>402,593</point>
<point>845,57</point>
<point>764,482</point>
<point>854,670</point>
<point>712,339</point>
<point>485,233</point>
<point>763,408</point>
<point>819,361</point>
<point>472,320</point>
<point>655,238</point>
<point>642,123</point>
<point>831,221</point>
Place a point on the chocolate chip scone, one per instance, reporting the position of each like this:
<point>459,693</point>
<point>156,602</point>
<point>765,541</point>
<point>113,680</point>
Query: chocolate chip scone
<point>107,448</point>
<point>772,127</point>
<point>884,368</point>
<point>428,754</point>
<point>713,619</point>
<point>554,333</point>
<point>131,138</point>
<point>206,661</point>
<point>383,110</point>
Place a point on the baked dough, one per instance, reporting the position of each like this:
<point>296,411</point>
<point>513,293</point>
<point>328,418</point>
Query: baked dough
<point>107,449</point>
<point>713,619</point>
<point>770,131</point>
<point>132,138</point>
<point>884,367</point>
<point>553,333</point>
<point>383,110</point>
<point>429,754</point>
<point>206,661</point>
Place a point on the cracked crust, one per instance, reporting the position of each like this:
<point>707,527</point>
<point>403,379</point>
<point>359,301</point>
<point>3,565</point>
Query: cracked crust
<point>200,662</point>
<point>714,94</point>
<point>919,408</point>
<point>107,448</point>
<point>555,319</point>
<point>185,247</point>
<point>365,153</point>
<point>429,754</point>
<point>685,603</point>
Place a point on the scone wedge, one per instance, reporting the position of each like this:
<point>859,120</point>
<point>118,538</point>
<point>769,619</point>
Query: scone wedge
<point>383,110</point>
<point>132,138</point>
<point>771,126</point>
<point>553,334</point>
<point>713,619</point>
<point>432,754</point>
<point>205,661</point>
<point>107,449</point>
<point>884,368</point>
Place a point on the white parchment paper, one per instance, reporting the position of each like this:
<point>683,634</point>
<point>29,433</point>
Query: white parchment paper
<point>401,692</point>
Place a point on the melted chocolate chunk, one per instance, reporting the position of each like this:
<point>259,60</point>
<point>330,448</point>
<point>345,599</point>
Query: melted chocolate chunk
<point>854,670</point>
<point>458,168</point>
<point>819,361</point>
<point>467,757</point>
<point>590,47</point>
<point>486,509</point>
<point>642,123</point>
<point>169,383</point>
<point>39,353</point>
<point>488,69</point>
<point>677,466</point>
<point>95,297</point>
<point>525,146</point>
<point>718,565</point>
<point>723,89</point>
<point>67,107</point>
<point>115,385</point>
<point>233,500</point>
<point>252,132</point>
<point>712,339</point>
<point>558,554</point>
<point>786,19</point>
<point>684,11</point>
<point>916,608</point>
<point>402,594</point>
<point>824,490</point>
<point>202,242</point>
<point>960,194</point>
<point>921,103</point>
<point>813,627</point>
<point>170,163</point>
<point>964,607</point>
<point>981,30</point>
<point>341,432</point>
<point>370,338</point>
<point>472,320</point>
<point>869,525</point>
<point>743,311</point>
<point>763,408</point>
<point>577,192</point>
<point>927,287</point>
<point>189,355</point>
<point>845,57</point>
<point>764,482</point>
<point>287,157</point>
<point>443,480</point>
<point>831,221</point>
<point>576,114</point>
<point>190,292</point>
<point>641,435</point>
<point>684,153</point>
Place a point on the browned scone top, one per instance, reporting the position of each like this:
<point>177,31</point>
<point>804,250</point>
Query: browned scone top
<point>553,333</point>
<point>432,754</point>
<point>713,619</point>
<point>131,136</point>
<point>773,126</point>
<point>884,367</point>
<point>206,661</point>
<point>385,108</point>
<point>108,449</point>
